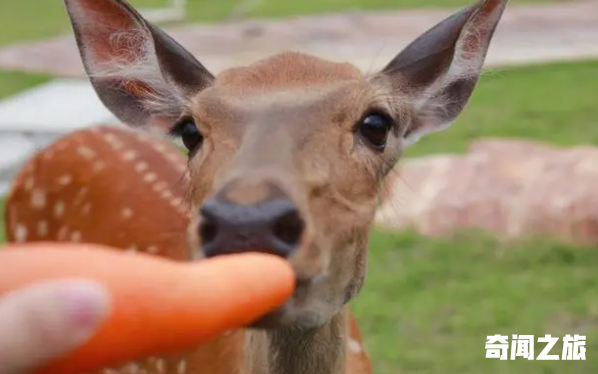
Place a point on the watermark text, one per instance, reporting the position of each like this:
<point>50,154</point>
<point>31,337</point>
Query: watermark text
<point>498,346</point>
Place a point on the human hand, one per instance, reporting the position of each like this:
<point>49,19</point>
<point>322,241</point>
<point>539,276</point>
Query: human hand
<point>46,320</point>
<point>214,283</point>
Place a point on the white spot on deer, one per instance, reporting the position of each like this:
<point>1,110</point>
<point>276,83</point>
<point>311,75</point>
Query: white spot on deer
<point>58,209</point>
<point>127,213</point>
<point>152,249</point>
<point>65,180</point>
<point>62,233</point>
<point>150,177</point>
<point>142,137</point>
<point>86,209</point>
<point>182,367</point>
<point>80,195</point>
<point>42,228</point>
<point>160,366</point>
<point>38,199</point>
<point>86,152</point>
<point>183,210</point>
<point>160,186</point>
<point>129,155</point>
<point>166,194</point>
<point>131,368</point>
<point>48,154</point>
<point>132,248</point>
<point>113,141</point>
<point>99,166</point>
<point>76,236</point>
<point>20,233</point>
<point>141,166</point>
<point>29,183</point>
<point>174,157</point>
<point>354,346</point>
<point>175,202</point>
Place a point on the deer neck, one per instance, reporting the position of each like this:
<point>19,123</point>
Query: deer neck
<point>295,351</point>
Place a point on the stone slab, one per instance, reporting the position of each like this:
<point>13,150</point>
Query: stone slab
<point>58,106</point>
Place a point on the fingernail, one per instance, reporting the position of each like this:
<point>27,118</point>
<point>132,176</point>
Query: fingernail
<point>85,303</point>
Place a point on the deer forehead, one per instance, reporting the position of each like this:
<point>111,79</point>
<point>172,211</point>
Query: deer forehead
<point>286,70</point>
<point>300,92</point>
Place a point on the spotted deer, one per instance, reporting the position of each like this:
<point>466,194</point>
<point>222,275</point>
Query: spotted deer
<point>285,156</point>
<point>128,190</point>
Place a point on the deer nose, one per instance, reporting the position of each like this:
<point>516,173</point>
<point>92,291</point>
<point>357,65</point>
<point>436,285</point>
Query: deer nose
<point>272,226</point>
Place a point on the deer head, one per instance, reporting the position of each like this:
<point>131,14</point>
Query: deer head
<point>287,154</point>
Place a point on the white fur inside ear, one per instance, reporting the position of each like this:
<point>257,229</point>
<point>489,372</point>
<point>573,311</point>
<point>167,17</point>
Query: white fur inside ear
<point>412,139</point>
<point>467,64</point>
<point>131,58</point>
<point>133,63</point>
<point>416,136</point>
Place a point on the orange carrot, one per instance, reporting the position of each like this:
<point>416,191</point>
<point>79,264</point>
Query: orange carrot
<point>159,306</point>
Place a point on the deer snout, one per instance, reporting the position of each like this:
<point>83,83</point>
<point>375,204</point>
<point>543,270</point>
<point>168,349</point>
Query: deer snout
<point>230,222</point>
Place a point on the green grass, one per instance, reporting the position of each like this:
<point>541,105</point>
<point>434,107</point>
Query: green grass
<point>556,103</point>
<point>32,19</point>
<point>14,82</point>
<point>428,304</point>
<point>277,8</point>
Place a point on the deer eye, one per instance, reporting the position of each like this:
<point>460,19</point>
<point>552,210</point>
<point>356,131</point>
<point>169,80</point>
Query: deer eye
<point>187,130</point>
<point>375,128</point>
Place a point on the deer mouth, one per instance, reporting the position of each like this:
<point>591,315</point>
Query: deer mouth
<point>293,312</point>
<point>280,317</point>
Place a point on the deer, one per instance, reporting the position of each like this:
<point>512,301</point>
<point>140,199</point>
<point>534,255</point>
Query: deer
<point>67,193</point>
<point>285,156</point>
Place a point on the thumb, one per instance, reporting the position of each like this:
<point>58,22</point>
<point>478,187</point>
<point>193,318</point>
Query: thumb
<point>47,320</point>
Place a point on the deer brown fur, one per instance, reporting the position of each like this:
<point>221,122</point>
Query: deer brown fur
<point>316,136</point>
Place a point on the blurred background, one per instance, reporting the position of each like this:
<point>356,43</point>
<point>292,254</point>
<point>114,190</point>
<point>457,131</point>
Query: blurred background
<point>487,228</point>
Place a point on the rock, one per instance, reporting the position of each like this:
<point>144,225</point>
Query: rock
<point>511,188</point>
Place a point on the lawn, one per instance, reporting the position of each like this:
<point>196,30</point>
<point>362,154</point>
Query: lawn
<point>554,102</point>
<point>428,305</point>
<point>31,19</point>
<point>14,82</point>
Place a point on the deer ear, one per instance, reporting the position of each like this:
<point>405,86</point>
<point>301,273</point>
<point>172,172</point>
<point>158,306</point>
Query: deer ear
<point>440,69</point>
<point>139,72</point>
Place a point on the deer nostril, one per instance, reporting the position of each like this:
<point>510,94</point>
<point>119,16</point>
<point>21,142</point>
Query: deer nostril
<point>273,226</point>
<point>288,228</point>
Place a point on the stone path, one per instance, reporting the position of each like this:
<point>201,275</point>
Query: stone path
<point>527,33</point>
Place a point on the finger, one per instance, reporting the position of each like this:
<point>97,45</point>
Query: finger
<point>47,320</point>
